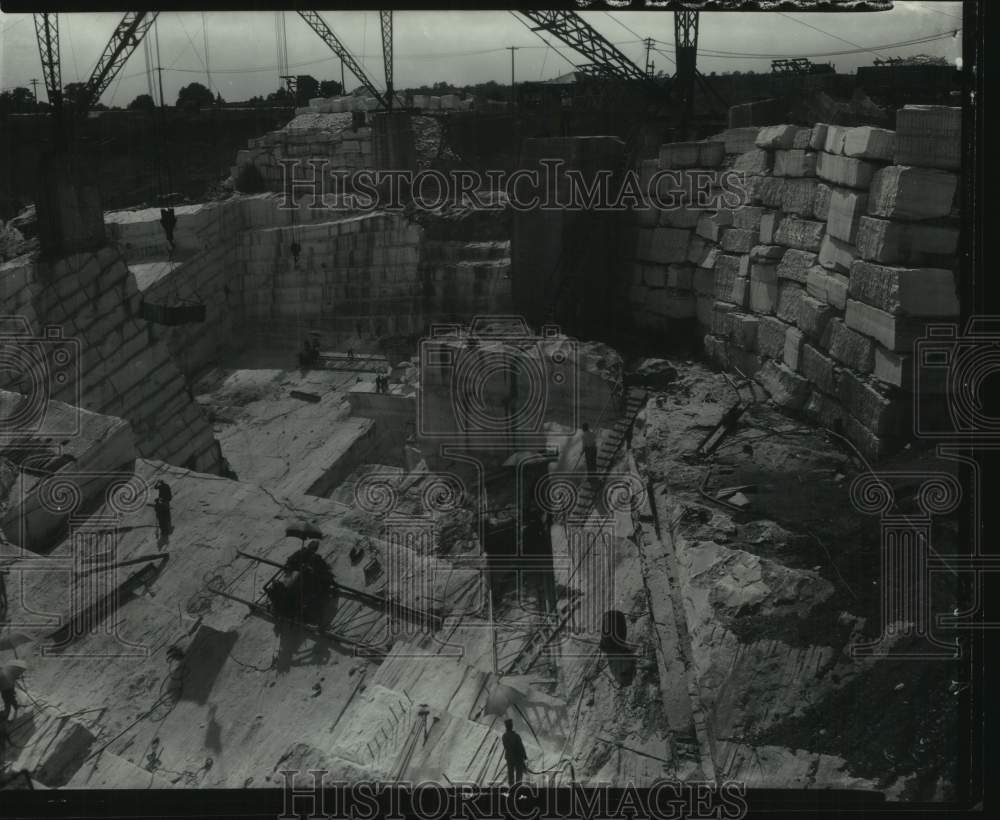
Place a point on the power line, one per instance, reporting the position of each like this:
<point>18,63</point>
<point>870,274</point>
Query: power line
<point>827,33</point>
<point>194,48</point>
<point>861,50</point>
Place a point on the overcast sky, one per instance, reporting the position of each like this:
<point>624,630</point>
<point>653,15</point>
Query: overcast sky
<point>460,47</point>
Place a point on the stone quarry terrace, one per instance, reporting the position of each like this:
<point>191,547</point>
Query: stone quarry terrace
<point>745,575</point>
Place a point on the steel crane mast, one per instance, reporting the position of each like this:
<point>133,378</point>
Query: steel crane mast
<point>386,18</point>
<point>575,32</point>
<point>318,24</point>
<point>124,41</point>
<point>47,34</point>
<point>686,48</point>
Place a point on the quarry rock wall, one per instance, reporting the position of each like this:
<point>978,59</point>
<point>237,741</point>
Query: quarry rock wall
<point>113,365</point>
<point>357,274</point>
<point>819,283</point>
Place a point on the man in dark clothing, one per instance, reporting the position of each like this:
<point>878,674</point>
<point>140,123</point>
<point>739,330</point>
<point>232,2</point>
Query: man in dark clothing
<point>10,673</point>
<point>163,523</point>
<point>163,490</point>
<point>513,751</point>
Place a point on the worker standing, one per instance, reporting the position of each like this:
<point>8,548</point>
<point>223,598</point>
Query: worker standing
<point>590,449</point>
<point>10,673</point>
<point>514,753</point>
<point>163,490</point>
<point>162,508</point>
<point>164,526</point>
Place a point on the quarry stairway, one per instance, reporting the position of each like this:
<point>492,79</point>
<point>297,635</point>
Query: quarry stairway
<point>539,640</point>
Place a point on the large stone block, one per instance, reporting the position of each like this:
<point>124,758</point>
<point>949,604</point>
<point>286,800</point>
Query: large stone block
<point>702,253</point>
<point>846,209</point>
<point>821,201</point>
<point>770,254</point>
<point>743,331</point>
<point>763,288</point>
<point>756,161</point>
<point>907,192</point>
<point>710,225</point>
<point>771,333</point>
<point>738,240</point>
<point>835,137</point>
<point>804,234</point>
<point>813,318</point>
<point>748,217</point>
<point>769,223</point>
<point>836,255</point>
<point>927,292</point>
<point>769,191</point>
<point>732,264</point>
<point>847,171</point>
<point>819,369</point>
<point>900,243</point>
<point>827,286</point>
<point>799,197</point>
<point>851,348</point>
<point>802,138</point>
<point>730,287</point>
<point>789,294</point>
<point>896,333</point>
<point>795,264</point>
<point>794,339</point>
<point>865,142</point>
<point>817,136</point>
<point>794,163</point>
<point>929,136</point>
<point>786,388</point>
<point>870,403</point>
<point>722,313</point>
<point>775,137</point>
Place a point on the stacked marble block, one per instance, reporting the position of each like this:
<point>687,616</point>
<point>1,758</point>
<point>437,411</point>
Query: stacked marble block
<point>822,283</point>
<point>354,274</point>
<point>121,370</point>
<point>343,148</point>
<point>667,245</point>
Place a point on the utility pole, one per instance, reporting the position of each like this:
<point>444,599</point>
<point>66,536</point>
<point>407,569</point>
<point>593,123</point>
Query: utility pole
<point>34,90</point>
<point>512,49</point>
<point>343,85</point>
<point>648,42</point>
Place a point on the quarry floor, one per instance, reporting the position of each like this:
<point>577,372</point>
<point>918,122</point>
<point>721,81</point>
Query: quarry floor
<point>741,623</point>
